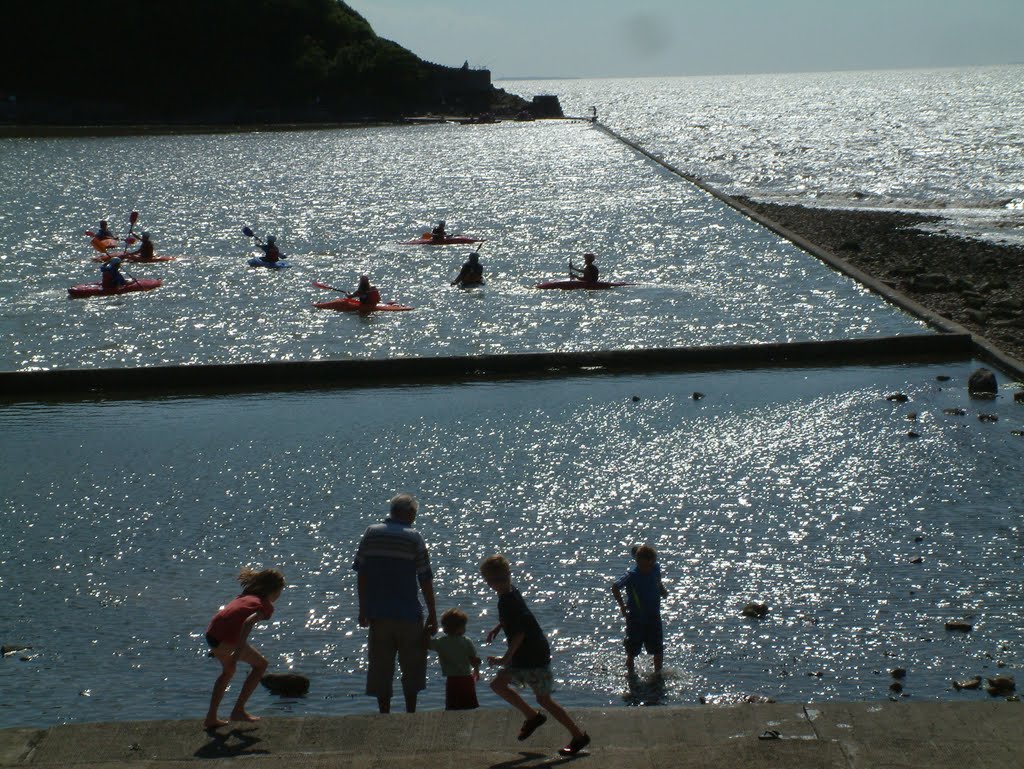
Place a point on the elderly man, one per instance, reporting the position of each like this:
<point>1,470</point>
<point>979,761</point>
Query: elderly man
<point>393,568</point>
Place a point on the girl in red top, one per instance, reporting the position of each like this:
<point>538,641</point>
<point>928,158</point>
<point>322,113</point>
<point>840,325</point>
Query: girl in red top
<point>228,635</point>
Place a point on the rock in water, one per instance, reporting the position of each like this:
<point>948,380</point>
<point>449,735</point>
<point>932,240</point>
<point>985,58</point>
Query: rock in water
<point>755,610</point>
<point>286,684</point>
<point>982,382</point>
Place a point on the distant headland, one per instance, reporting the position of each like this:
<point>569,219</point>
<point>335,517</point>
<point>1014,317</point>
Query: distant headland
<point>229,62</point>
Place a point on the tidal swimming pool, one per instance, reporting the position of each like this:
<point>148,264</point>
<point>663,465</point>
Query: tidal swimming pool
<point>127,520</point>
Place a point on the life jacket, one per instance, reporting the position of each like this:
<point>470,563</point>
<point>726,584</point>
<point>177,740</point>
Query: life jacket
<point>111,277</point>
<point>271,253</point>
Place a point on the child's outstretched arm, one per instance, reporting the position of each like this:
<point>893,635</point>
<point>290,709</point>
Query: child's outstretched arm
<point>513,646</point>
<point>493,632</point>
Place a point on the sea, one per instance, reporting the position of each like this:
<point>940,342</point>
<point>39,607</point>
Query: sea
<point>863,523</point>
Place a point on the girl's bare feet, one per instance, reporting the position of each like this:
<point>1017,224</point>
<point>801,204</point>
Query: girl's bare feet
<point>241,715</point>
<point>214,723</point>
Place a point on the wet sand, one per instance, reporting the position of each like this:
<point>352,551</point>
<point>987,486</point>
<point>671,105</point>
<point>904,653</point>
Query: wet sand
<point>977,284</point>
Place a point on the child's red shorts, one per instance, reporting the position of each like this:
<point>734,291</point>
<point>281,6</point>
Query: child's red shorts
<point>460,693</point>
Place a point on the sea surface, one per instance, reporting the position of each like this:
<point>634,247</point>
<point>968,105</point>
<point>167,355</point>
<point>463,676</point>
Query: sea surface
<point>125,520</point>
<point>937,141</point>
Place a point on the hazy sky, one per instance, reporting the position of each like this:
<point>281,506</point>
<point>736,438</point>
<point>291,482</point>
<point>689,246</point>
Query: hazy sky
<point>607,38</point>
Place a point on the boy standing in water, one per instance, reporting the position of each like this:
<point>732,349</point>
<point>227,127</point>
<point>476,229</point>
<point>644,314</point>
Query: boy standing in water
<point>642,607</point>
<point>527,661</point>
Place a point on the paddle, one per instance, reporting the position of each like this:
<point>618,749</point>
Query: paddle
<point>318,284</point>
<point>128,239</point>
<point>251,234</point>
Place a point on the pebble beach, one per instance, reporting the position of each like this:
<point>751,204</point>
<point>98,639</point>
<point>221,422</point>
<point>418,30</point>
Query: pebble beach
<point>976,283</point>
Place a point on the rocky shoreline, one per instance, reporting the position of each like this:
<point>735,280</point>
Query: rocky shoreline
<point>975,283</point>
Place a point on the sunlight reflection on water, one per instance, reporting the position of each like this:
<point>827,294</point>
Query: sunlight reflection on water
<point>339,202</point>
<point>799,488</point>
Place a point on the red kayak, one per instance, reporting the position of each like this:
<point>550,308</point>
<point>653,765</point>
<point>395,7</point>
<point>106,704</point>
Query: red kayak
<point>569,285</point>
<point>102,244</point>
<point>429,240</point>
<point>86,290</point>
<point>132,258</point>
<point>354,305</point>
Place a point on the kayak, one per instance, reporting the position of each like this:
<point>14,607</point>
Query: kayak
<point>427,240</point>
<point>102,244</point>
<point>86,290</point>
<point>354,305</point>
<point>568,285</point>
<point>257,261</point>
<point>132,258</point>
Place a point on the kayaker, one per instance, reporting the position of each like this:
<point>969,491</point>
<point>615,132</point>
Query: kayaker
<point>589,273</point>
<point>104,231</point>
<point>271,253</point>
<point>145,252</point>
<point>110,273</point>
<point>439,233</point>
<point>472,273</point>
<point>366,294</point>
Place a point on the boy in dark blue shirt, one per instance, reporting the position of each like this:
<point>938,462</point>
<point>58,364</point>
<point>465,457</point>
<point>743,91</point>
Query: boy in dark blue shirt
<point>527,662</point>
<point>642,607</point>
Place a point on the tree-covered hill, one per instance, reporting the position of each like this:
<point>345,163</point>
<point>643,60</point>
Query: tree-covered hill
<point>216,61</point>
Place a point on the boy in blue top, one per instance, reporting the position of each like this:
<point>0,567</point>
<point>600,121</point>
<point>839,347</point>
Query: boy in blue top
<point>642,607</point>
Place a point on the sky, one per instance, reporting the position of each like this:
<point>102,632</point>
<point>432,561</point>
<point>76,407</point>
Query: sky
<point>629,38</point>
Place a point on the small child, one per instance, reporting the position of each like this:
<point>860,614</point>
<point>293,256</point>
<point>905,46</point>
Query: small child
<point>642,607</point>
<point>228,635</point>
<point>527,661</point>
<point>459,661</point>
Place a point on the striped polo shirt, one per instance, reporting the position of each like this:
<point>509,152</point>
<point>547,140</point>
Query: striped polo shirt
<point>392,557</point>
